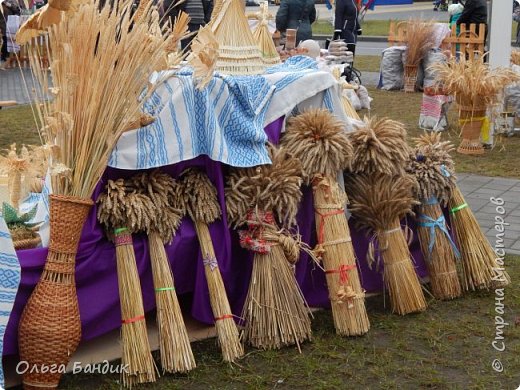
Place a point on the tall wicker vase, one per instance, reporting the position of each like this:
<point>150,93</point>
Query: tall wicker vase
<point>50,327</point>
<point>471,119</point>
<point>410,77</point>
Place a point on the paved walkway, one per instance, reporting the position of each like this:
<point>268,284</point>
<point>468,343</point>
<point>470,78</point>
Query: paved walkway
<point>16,85</point>
<point>478,191</point>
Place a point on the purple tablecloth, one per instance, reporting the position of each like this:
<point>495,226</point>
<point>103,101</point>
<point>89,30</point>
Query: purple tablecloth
<point>96,275</point>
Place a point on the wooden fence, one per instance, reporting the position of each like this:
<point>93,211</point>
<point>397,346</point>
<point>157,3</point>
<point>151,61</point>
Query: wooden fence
<point>469,41</point>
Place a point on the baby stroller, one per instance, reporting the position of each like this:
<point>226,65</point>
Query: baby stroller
<point>441,5</point>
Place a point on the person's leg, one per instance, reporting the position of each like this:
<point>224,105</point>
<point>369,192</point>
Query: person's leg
<point>186,43</point>
<point>4,54</point>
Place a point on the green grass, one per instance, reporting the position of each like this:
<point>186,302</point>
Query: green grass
<point>446,347</point>
<point>367,63</point>
<point>17,125</point>
<point>503,160</point>
<point>370,27</point>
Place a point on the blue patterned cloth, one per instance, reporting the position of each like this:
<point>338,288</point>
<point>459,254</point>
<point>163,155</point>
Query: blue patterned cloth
<point>225,120</point>
<point>9,280</point>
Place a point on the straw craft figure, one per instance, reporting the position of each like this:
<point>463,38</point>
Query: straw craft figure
<point>264,38</point>
<point>321,144</point>
<point>478,266</point>
<point>239,53</point>
<point>275,312</point>
<point>122,213</point>
<point>15,166</point>
<point>381,194</point>
<point>199,198</point>
<point>174,343</point>
<point>434,170</point>
<point>87,111</point>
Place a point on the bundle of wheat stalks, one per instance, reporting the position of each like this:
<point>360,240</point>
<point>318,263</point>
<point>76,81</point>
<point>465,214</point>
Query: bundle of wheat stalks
<point>174,343</point>
<point>321,144</point>
<point>474,83</point>
<point>420,39</point>
<point>515,57</point>
<point>379,202</point>
<point>123,212</point>
<point>275,312</point>
<point>99,70</point>
<point>433,169</point>
<point>420,36</point>
<point>381,194</point>
<point>379,146</point>
<point>478,266</point>
<point>198,197</point>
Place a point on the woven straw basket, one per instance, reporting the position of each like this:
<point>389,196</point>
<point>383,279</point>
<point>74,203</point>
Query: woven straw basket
<point>410,78</point>
<point>470,130</point>
<point>50,327</point>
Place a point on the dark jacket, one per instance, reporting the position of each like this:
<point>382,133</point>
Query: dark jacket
<point>172,8</point>
<point>346,20</point>
<point>9,7</point>
<point>296,14</point>
<point>475,11</point>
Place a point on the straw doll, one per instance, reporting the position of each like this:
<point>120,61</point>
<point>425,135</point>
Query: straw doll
<point>478,266</point>
<point>275,312</point>
<point>321,144</point>
<point>381,194</point>
<point>263,36</point>
<point>198,196</point>
<point>123,212</point>
<point>174,343</point>
<point>433,168</point>
<point>15,165</point>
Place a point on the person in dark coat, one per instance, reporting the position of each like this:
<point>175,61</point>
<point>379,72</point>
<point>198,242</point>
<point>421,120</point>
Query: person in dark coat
<point>346,23</point>
<point>298,15</point>
<point>475,11</point>
<point>199,12</point>
<point>9,7</point>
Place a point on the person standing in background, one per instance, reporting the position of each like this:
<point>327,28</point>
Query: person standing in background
<point>298,15</point>
<point>475,11</point>
<point>199,12</point>
<point>346,23</point>
<point>9,7</point>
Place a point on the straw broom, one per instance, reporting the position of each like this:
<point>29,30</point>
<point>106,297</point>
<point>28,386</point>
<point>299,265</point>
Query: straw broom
<point>174,343</point>
<point>379,202</point>
<point>433,169</point>
<point>479,269</point>
<point>275,312</point>
<point>122,213</point>
<point>199,197</point>
<point>320,142</point>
